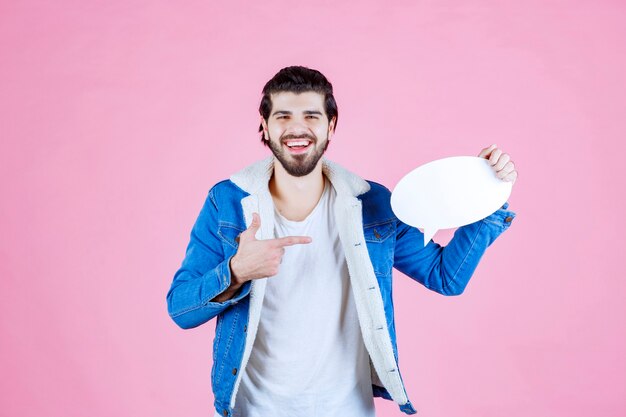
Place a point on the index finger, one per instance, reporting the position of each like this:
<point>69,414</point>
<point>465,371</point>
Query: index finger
<point>292,240</point>
<point>487,151</point>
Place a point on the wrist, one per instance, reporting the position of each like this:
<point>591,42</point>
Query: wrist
<point>235,278</point>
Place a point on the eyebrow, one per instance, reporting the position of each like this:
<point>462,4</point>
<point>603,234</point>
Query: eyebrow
<point>305,112</point>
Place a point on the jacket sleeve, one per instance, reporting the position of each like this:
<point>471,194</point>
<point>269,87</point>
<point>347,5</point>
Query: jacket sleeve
<point>447,270</point>
<point>204,274</point>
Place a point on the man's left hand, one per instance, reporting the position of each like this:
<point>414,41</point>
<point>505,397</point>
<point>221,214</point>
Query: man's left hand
<point>501,163</point>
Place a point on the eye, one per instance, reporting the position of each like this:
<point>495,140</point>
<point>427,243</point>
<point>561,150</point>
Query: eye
<point>312,117</point>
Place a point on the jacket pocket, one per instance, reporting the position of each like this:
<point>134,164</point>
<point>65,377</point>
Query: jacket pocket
<point>229,233</point>
<point>379,232</point>
<point>380,238</point>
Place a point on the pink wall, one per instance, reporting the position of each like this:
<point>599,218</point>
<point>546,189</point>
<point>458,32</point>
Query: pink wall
<point>118,116</point>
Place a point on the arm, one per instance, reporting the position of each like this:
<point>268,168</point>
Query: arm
<point>204,274</point>
<point>233,289</point>
<point>447,270</point>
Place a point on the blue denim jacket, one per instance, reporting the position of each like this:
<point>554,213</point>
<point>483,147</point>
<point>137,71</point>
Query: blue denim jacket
<point>374,242</point>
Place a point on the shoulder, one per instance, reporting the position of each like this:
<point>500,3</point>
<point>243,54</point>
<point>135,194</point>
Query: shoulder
<point>376,203</point>
<point>377,189</point>
<point>224,191</point>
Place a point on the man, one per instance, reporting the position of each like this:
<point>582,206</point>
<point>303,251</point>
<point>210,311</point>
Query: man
<point>294,256</point>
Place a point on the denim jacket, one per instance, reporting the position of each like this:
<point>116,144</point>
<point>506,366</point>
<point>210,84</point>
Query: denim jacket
<point>374,241</point>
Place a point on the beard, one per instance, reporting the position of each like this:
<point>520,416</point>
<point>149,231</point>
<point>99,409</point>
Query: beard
<point>299,165</point>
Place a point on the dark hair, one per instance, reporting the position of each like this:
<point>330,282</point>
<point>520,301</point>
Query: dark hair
<point>297,79</point>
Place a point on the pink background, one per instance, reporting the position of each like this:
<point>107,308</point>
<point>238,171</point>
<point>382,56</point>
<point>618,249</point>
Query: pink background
<point>118,116</point>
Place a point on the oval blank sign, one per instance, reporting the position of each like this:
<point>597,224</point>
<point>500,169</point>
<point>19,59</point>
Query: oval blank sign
<point>448,193</point>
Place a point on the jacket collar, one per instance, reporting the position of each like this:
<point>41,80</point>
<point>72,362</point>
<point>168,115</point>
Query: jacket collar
<point>255,178</point>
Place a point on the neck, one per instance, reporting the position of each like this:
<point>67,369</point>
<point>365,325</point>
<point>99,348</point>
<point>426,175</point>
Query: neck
<point>295,197</point>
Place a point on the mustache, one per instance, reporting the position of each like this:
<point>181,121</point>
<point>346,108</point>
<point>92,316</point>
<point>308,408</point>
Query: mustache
<point>309,137</point>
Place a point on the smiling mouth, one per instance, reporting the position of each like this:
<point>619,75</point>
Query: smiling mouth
<point>297,145</point>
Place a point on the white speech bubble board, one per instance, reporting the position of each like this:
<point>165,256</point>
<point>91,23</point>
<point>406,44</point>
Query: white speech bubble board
<point>448,193</point>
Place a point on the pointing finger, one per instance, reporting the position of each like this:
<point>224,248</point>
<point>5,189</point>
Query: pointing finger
<point>293,240</point>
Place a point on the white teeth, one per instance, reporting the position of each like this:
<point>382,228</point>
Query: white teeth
<point>298,143</point>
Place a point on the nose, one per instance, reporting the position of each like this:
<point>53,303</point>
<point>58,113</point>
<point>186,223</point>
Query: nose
<point>296,127</point>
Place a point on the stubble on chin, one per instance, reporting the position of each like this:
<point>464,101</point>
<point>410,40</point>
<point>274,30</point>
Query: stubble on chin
<point>294,164</point>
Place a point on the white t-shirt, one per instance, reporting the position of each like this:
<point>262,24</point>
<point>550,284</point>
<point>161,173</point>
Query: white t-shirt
<point>308,358</point>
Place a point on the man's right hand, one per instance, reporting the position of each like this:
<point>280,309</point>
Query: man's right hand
<point>259,258</point>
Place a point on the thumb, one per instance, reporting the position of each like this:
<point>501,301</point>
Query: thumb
<point>254,225</point>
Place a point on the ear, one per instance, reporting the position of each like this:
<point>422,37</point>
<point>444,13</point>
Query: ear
<point>331,127</point>
<point>265,129</point>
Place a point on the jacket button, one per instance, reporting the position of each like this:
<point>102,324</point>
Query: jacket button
<point>245,327</point>
<point>234,371</point>
<point>509,219</point>
<point>225,413</point>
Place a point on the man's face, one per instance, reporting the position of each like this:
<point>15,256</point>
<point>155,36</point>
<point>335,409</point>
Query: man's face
<point>298,120</point>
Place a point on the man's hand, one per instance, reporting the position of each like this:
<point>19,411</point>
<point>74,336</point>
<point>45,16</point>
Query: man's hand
<point>501,163</point>
<point>260,258</point>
